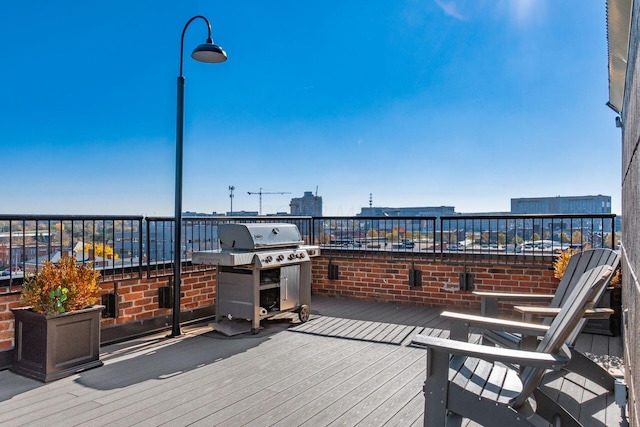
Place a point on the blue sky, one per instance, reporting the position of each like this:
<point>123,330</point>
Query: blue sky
<point>421,103</point>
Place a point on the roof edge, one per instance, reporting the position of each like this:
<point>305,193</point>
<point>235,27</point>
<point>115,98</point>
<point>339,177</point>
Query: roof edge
<point>618,34</point>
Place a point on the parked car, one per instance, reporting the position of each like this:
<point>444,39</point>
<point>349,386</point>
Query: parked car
<point>13,270</point>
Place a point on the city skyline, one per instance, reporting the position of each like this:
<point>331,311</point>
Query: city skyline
<point>310,204</point>
<point>459,103</point>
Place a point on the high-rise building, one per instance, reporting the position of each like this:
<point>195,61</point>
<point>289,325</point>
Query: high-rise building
<point>562,205</point>
<point>307,205</point>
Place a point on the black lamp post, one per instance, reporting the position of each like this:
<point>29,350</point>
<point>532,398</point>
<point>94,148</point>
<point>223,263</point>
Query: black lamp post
<point>210,53</point>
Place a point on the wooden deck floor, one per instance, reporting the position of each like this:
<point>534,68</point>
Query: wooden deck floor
<point>351,364</point>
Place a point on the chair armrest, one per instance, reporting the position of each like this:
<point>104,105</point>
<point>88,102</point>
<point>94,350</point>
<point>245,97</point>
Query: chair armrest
<point>493,354</point>
<point>494,324</point>
<point>532,312</point>
<point>508,296</point>
<point>489,300</point>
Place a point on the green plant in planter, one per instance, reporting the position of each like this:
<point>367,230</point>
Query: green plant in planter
<point>62,287</point>
<point>58,296</point>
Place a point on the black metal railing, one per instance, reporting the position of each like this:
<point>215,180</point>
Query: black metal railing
<point>199,233</point>
<point>461,239</point>
<point>121,246</point>
<point>393,237</point>
<point>522,239</point>
<point>112,243</point>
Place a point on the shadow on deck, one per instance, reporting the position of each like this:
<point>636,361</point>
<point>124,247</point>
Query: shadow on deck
<point>351,364</point>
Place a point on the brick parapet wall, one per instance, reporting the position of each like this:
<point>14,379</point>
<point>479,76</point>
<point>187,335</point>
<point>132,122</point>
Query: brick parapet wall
<point>373,279</point>
<point>388,280</point>
<point>137,300</point>
<point>7,302</point>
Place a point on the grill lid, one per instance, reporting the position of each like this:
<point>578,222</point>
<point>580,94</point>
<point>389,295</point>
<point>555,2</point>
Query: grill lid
<point>249,237</point>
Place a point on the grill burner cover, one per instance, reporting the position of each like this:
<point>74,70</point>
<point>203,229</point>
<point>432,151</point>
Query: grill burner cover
<point>250,237</point>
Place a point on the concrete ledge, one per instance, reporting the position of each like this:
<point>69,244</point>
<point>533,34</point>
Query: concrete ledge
<point>129,330</point>
<point>6,359</point>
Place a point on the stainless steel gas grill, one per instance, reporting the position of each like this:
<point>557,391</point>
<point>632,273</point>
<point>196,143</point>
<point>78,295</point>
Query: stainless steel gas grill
<point>262,270</point>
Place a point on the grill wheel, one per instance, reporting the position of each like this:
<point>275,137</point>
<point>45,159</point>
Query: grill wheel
<point>304,313</point>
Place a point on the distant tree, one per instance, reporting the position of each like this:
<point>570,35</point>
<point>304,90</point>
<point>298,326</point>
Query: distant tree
<point>535,237</point>
<point>502,238</point>
<point>408,235</point>
<point>564,238</point>
<point>576,238</point>
<point>372,233</point>
<point>516,240</point>
<point>101,250</point>
<point>608,241</point>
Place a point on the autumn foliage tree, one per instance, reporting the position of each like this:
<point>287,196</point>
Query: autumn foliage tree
<point>101,250</point>
<point>576,238</point>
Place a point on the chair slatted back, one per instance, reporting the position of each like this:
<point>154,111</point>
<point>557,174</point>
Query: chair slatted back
<point>577,265</point>
<point>600,257</point>
<point>581,298</point>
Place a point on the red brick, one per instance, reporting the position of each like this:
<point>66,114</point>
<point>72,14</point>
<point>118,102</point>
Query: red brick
<point>143,302</point>
<point>133,296</point>
<point>132,310</point>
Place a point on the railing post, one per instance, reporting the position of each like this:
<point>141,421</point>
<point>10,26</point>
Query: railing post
<point>441,238</point>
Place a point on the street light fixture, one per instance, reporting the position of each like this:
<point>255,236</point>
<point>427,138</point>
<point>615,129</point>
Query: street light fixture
<point>210,53</point>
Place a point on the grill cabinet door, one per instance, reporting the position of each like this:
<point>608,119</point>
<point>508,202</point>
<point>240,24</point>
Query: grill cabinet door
<point>289,286</point>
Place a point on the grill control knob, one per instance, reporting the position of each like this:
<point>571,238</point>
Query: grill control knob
<point>292,256</point>
<point>268,258</point>
<point>280,257</point>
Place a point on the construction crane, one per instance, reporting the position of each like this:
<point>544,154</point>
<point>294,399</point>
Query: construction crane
<point>260,193</point>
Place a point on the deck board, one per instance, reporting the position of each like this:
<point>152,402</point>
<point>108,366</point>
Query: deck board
<point>367,403</point>
<point>350,364</point>
<point>325,408</point>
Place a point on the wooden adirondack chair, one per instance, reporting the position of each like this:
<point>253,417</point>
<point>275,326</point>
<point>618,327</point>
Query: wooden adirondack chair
<point>578,264</point>
<point>464,380</point>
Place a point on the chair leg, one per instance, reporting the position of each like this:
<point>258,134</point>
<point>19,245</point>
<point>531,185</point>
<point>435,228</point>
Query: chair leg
<point>582,365</point>
<point>453,420</point>
<point>549,409</point>
<point>488,308</point>
<point>435,389</point>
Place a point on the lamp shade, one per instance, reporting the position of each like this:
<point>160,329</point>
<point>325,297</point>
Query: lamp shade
<point>209,52</point>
